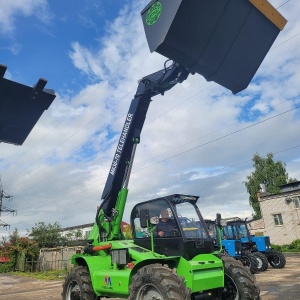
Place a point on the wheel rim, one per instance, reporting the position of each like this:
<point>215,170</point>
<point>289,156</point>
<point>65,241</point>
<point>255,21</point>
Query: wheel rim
<point>260,263</point>
<point>149,292</point>
<point>247,261</point>
<point>73,291</point>
<point>275,259</point>
<point>230,291</point>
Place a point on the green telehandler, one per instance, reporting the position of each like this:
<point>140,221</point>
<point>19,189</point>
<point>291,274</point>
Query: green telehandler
<point>171,255</point>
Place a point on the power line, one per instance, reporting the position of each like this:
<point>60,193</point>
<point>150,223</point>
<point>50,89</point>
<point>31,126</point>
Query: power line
<point>186,178</point>
<point>118,118</point>
<point>209,142</point>
<point>4,196</point>
<point>283,4</point>
<point>191,149</point>
<point>215,131</point>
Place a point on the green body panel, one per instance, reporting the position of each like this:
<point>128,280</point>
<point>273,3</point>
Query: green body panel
<point>94,233</point>
<point>107,279</point>
<point>203,272</point>
<point>116,224</point>
<point>111,282</point>
<point>115,233</point>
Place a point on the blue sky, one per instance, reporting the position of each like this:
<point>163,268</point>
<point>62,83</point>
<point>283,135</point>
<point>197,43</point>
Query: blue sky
<point>198,138</point>
<point>37,41</point>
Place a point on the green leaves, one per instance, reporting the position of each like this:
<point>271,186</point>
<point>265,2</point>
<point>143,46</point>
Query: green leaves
<point>47,236</point>
<point>271,174</point>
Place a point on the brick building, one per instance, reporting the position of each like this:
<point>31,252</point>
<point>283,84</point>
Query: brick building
<point>281,214</point>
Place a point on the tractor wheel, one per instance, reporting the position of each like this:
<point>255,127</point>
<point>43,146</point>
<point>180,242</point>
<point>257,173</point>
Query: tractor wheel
<point>158,282</point>
<point>78,285</point>
<point>276,259</point>
<point>239,284</point>
<point>262,261</point>
<point>250,261</point>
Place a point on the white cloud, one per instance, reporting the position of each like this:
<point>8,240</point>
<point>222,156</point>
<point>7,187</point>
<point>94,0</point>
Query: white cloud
<point>11,9</point>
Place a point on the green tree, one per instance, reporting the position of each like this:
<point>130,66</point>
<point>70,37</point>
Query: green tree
<point>47,236</point>
<point>78,234</point>
<point>14,246</point>
<point>271,174</point>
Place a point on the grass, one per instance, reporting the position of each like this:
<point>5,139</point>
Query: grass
<point>46,275</point>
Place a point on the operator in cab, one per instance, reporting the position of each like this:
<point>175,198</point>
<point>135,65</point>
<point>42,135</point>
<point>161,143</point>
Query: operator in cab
<point>166,227</point>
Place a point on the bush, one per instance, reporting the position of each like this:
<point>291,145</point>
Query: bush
<point>292,247</point>
<point>296,245</point>
<point>6,267</point>
<point>276,247</point>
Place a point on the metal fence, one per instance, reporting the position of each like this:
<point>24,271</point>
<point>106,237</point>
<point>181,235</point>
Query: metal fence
<point>44,265</point>
<point>49,259</point>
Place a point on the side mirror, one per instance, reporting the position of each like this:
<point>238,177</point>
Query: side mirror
<point>219,221</point>
<point>144,217</point>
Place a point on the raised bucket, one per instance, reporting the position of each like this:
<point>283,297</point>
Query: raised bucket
<point>223,40</point>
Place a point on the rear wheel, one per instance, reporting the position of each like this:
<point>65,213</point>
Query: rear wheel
<point>157,282</point>
<point>262,261</point>
<point>239,284</point>
<point>78,285</point>
<point>276,259</point>
<point>250,261</point>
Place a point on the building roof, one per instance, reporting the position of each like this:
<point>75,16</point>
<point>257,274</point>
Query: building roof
<point>290,187</point>
<point>285,188</point>
<point>256,224</point>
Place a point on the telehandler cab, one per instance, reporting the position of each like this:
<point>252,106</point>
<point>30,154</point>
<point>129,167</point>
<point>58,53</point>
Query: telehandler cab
<point>225,41</point>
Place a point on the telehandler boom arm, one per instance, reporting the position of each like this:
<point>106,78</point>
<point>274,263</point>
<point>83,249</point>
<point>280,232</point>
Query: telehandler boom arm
<point>110,213</point>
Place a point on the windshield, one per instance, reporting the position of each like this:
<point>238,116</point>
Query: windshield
<point>241,230</point>
<point>192,225</point>
<point>173,220</point>
<point>228,233</point>
<point>235,231</point>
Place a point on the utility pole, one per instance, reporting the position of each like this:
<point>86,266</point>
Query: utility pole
<point>4,196</point>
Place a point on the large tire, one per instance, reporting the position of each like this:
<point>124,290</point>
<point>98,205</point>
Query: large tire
<point>239,284</point>
<point>158,282</point>
<point>78,285</point>
<point>276,259</point>
<point>250,261</point>
<point>262,261</point>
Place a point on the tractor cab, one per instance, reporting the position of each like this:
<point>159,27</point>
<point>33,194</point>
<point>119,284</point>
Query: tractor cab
<point>236,229</point>
<point>241,232</point>
<point>171,226</point>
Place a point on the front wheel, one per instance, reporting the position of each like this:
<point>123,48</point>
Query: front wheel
<point>157,282</point>
<point>78,285</point>
<point>262,261</point>
<point>239,284</point>
<point>276,259</point>
<point>250,261</point>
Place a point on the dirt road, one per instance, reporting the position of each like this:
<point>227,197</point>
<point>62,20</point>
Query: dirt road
<point>275,284</point>
<point>281,284</point>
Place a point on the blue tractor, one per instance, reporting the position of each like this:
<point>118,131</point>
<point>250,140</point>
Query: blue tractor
<point>232,247</point>
<point>260,246</point>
